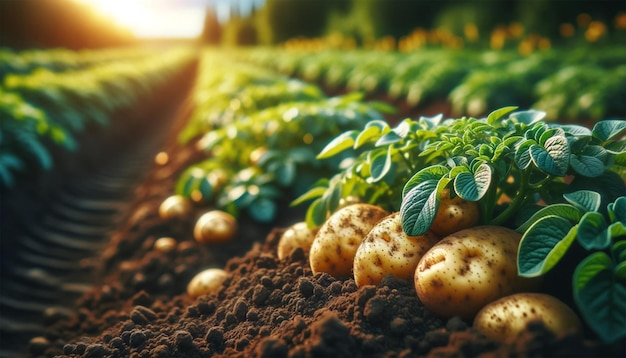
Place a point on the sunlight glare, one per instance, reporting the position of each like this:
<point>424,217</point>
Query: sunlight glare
<point>153,19</point>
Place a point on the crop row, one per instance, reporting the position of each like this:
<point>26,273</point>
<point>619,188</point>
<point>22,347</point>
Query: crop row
<point>58,60</point>
<point>45,108</point>
<point>566,84</point>
<point>261,132</point>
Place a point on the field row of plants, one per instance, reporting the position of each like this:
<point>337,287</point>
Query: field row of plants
<point>261,131</point>
<point>61,59</point>
<point>46,108</point>
<point>573,84</point>
<point>533,189</point>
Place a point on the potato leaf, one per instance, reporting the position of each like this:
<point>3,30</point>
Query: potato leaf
<point>553,158</point>
<point>434,172</point>
<point>499,114</point>
<point>339,144</point>
<point>473,187</point>
<point>544,244</point>
<point>419,207</point>
<point>565,211</point>
<point>608,129</point>
<point>593,231</point>
<point>381,164</point>
<point>600,297</point>
<point>585,200</point>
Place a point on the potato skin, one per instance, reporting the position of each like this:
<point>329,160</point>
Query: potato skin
<point>174,206</point>
<point>336,242</point>
<point>215,226</point>
<point>297,235</point>
<point>468,269</point>
<point>387,249</point>
<point>454,215</point>
<point>505,318</point>
<point>205,282</point>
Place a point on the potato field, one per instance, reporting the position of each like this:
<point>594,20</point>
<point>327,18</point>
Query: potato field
<point>423,195</point>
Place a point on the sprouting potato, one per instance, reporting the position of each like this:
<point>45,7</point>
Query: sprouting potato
<point>205,282</point>
<point>468,269</point>
<point>336,242</point>
<point>174,206</point>
<point>297,235</point>
<point>507,317</point>
<point>454,215</point>
<point>215,226</point>
<point>387,249</point>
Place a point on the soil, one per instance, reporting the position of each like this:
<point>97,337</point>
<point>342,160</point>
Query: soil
<point>137,305</point>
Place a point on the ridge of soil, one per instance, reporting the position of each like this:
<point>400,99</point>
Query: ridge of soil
<point>138,306</point>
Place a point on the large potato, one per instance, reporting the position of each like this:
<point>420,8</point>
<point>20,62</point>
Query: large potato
<point>454,215</point>
<point>507,317</point>
<point>387,249</point>
<point>335,244</point>
<point>215,226</point>
<point>298,235</point>
<point>468,269</point>
<point>205,282</point>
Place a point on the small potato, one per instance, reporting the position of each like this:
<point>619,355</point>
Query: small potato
<point>165,244</point>
<point>507,317</point>
<point>468,269</point>
<point>454,215</point>
<point>387,249</point>
<point>336,242</point>
<point>174,206</point>
<point>297,235</point>
<point>215,226</point>
<point>205,282</point>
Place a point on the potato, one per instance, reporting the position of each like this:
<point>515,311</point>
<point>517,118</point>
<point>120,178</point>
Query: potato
<point>468,269</point>
<point>507,317</point>
<point>336,242</point>
<point>387,249</point>
<point>165,244</point>
<point>215,226</point>
<point>297,235</point>
<point>205,282</point>
<point>454,215</point>
<point>174,206</point>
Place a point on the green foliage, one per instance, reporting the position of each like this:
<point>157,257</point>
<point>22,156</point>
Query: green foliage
<point>599,287</point>
<point>40,107</point>
<point>288,136</point>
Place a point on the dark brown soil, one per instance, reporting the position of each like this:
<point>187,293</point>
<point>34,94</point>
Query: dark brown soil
<point>138,306</point>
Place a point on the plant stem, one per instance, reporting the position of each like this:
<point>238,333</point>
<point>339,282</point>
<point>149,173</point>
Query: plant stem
<point>517,202</point>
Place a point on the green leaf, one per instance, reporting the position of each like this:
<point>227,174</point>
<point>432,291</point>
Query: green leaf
<point>381,164</point>
<point>587,165</point>
<point>286,173</point>
<point>600,298</point>
<point>389,138</point>
<point>575,130</point>
<point>592,231</point>
<point>565,211</point>
<point>499,114</point>
<point>313,193</point>
<point>617,210</point>
<point>553,158</point>
<point>373,130</point>
<point>434,172</point>
<point>544,244</point>
<point>316,213</point>
<point>419,207</point>
<point>473,187</point>
<point>528,117</point>
<point>522,154</point>
<point>338,144</point>
<point>608,129</point>
<point>585,200</point>
<point>262,210</point>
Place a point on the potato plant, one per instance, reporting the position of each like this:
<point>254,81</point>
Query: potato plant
<point>515,167</point>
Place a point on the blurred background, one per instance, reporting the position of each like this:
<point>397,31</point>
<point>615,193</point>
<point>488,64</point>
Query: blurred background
<point>390,24</point>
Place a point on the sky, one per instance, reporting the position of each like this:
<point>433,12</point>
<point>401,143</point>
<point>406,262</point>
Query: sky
<point>166,18</point>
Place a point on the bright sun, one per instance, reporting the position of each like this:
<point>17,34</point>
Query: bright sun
<point>149,18</point>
